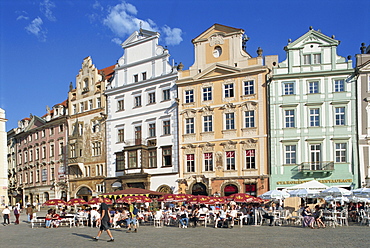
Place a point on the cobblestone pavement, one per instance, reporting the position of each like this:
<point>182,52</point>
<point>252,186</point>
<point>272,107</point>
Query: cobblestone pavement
<point>148,236</point>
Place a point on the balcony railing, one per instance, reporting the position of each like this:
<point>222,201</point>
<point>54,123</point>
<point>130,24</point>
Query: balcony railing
<point>319,166</point>
<point>137,142</point>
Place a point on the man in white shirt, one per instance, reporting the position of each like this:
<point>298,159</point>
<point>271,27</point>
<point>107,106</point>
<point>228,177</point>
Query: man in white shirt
<point>6,214</point>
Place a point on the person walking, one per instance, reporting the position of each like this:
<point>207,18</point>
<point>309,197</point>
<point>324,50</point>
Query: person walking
<point>16,212</point>
<point>29,212</point>
<point>105,220</point>
<point>6,214</point>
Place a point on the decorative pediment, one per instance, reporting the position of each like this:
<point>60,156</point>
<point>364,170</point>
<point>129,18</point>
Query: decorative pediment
<point>228,107</point>
<point>312,36</point>
<point>206,110</point>
<point>249,105</point>
<point>229,145</point>
<point>216,70</point>
<point>216,30</point>
<point>189,113</point>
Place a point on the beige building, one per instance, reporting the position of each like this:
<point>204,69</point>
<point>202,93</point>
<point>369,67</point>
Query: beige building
<point>3,161</point>
<point>222,116</point>
<point>86,140</point>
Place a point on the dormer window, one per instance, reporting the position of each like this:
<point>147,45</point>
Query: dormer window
<point>314,59</point>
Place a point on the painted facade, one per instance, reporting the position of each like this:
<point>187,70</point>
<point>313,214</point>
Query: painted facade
<point>363,103</point>
<point>142,140</point>
<point>312,99</point>
<point>86,141</point>
<point>14,192</point>
<point>40,144</point>
<point>3,161</point>
<point>222,109</point>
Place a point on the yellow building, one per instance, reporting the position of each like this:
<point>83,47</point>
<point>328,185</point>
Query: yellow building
<point>222,121</point>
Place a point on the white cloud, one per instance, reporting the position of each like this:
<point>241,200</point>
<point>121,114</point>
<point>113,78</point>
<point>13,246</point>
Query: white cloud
<point>35,28</point>
<point>118,41</point>
<point>122,20</point>
<point>98,6</point>
<point>172,35</point>
<point>22,17</point>
<point>45,8</point>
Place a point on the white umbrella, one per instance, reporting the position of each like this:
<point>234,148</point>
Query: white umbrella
<point>274,194</point>
<point>303,193</point>
<point>365,192</point>
<point>335,192</point>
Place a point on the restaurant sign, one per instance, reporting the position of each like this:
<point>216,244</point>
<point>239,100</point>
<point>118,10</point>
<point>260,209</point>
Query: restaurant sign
<point>321,181</point>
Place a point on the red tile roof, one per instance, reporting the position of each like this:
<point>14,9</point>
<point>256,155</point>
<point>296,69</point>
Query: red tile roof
<point>108,71</point>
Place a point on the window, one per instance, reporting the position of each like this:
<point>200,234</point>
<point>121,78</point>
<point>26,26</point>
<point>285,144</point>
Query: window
<point>290,154</point>
<point>30,138</point>
<point>20,158</point>
<point>313,87</point>
<point>132,159</point>
<point>36,135</point>
<point>44,152</point>
<point>31,155</point>
<point>314,117</point>
<point>190,163</point>
<point>38,176</point>
<point>61,128</point>
<point>74,109</point>
<point>340,116</point>
<point>288,88</point>
<point>143,75</point>
<point>82,107</point>
<point>250,159</point>
<point>44,175</point>
<point>229,90</point>
<point>137,135</point>
<point>189,96</point>
<point>230,160</point>
<point>152,158</point>
<point>43,133</point>
<point>166,128</point>
<point>207,121</point>
<point>166,95</point>
<point>61,148</point>
<point>208,161</point>
<point>307,59</point>
<point>52,131</point>
<point>289,118</point>
<point>73,151</point>
<point>251,189</point>
<point>137,101</point>
<point>31,176</point>
<point>90,104</point>
<point>37,153</point>
<point>249,118</point>
<point>167,156</point>
<point>51,150</point>
<point>317,58</point>
<point>96,148</point>
<point>136,78</point>
<point>249,87</point>
<point>25,157</point>
<point>98,102</point>
<point>151,97</point>
<point>207,94</point>
<point>52,173</point>
<point>189,125</point>
<point>230,122</point>
<point>120,161</point>
<point>121,135</point>
<point>121,105</point>
<point>339,85</point>
<point>340,152</point>
<point>152,130</point>
<point>315,157</point>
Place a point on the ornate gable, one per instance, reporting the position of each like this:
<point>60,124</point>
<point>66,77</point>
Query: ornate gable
<point>312,36</point>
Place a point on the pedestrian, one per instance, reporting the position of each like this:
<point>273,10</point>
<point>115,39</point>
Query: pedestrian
<point>29,212</point>
<point>6,214</point>
<point>16,212</point>
<point>105,220</point>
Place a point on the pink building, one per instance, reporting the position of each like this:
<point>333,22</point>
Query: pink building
<point>41,156</point>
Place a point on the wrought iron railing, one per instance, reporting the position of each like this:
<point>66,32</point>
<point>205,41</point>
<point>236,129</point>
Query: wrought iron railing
<point>316,166</point>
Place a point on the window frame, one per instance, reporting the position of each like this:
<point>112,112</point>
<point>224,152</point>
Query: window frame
<point>189,125</point>
<point>229,121</point>
<point>340,117</point>
<point>230,160</point>
<point>208,161</point>
<point>288,88</point>
<point>340,153</point>
<point>250,119</point>
<point>314,118</point>
<point>208,123</point>
<point>289,118</point>
<point>249,87</point>
<point>207,93</point>
<point>250,159</point>
<point>189,96</point>
<point>229,90</point>
<point>292,158</point>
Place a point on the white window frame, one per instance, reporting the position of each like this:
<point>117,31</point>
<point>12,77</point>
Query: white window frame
<point>249,118</point>
<point>290,154</point>
<point>207,93</point>
<point>249,88</point>
<point>313,87</point>
<point>208,123</point>
<point>229,90</point>
<point>339,85</point>
<point>289,117</point>
<point>229,122</point>
<point>314,117</point>
<point>189,96</point>
<point>340,152</point>
<point>340,116</point>
<point>288,88</point>
<point>189,125</point>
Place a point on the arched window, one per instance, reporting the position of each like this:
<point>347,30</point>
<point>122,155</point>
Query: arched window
<point>199,189</point>
<point>230,189</point>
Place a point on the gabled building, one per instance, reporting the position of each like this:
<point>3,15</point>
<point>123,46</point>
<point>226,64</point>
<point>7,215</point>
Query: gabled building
<point>142,140</point>
<point>86,141</point>
<point>312,99</point>
<point>363,103</point>
<point>40,150</point>
<point>222,116</point>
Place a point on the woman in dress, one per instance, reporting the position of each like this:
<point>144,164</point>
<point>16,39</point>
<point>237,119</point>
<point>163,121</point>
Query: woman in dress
<point>308,219</point>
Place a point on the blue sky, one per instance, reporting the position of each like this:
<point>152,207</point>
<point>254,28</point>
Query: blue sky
<point>43,42</point>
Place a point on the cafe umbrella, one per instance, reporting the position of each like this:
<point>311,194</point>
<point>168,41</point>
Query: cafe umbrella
<point>95,201</point>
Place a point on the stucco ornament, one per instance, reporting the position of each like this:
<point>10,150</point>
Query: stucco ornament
<point>216,40</point>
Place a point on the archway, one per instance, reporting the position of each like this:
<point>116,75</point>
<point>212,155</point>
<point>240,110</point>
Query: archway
<point>165,189</point>
<point>199,189</point>
<point>46,196</point>
<point>84,193</point>
<point>230,189</point>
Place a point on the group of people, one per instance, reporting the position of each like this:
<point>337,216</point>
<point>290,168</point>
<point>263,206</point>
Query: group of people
<point>6,214</point>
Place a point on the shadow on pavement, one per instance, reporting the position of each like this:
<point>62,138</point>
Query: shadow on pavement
<point>84,236</point>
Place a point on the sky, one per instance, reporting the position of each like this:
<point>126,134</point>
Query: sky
<point>43,42</point>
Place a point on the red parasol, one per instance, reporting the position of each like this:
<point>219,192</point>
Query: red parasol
<point>137,199</point>
<point>199,199</point>
<point>241,197</point>
<point>76,201</point>
<point>218,200</point>
<point>54,202</point>
<point>94,201</point>
<point>174,197</point>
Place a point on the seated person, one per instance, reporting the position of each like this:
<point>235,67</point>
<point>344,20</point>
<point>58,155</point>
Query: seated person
<point>308,219</point>
<point>222,216</point>
<point>318,215</point>
<point>183,217</point>
<point>232,214</point>
<point>195,216</point>
<point>266,215</point>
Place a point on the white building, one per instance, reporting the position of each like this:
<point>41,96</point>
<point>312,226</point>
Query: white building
<point>142,139</point>
<point>3,161</point>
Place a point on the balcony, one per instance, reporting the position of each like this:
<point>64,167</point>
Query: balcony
<point>325,167</point>
<point>75,160</point>
<point>140,142</point>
